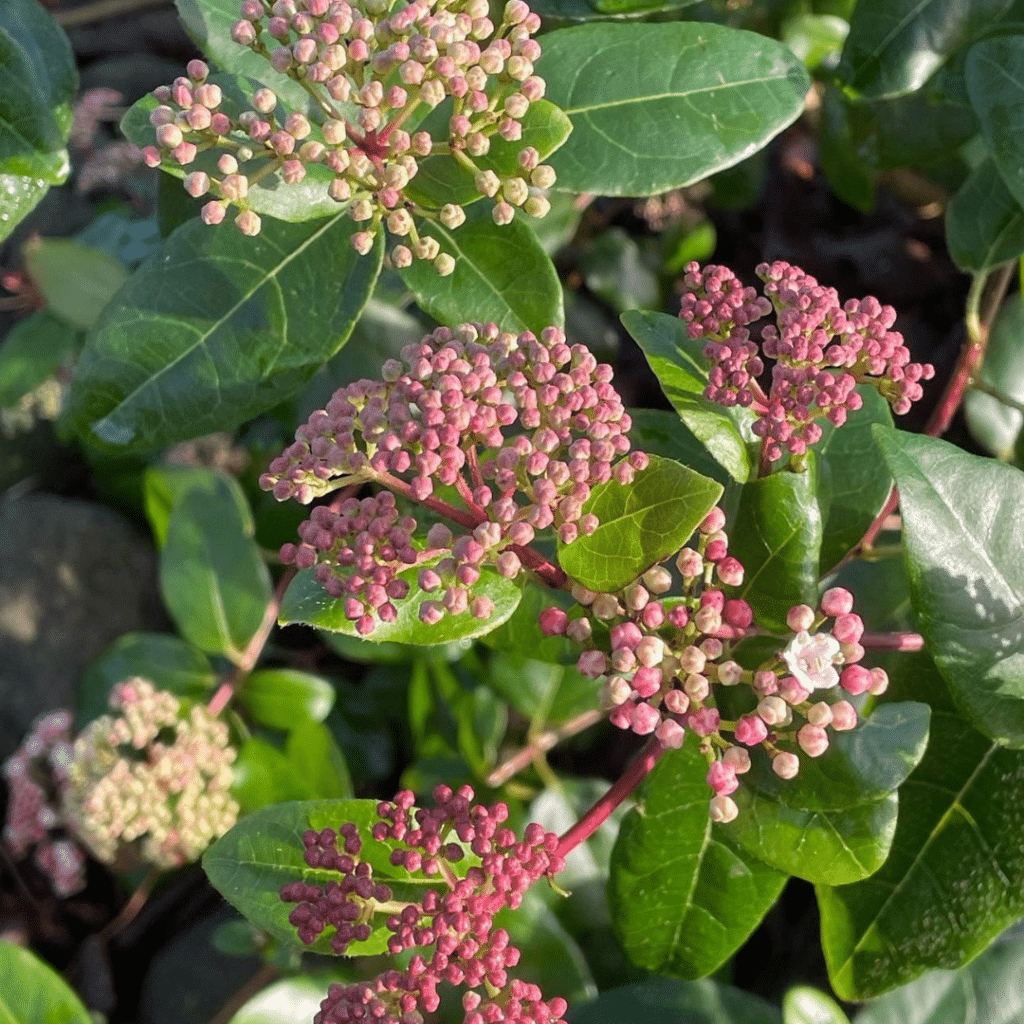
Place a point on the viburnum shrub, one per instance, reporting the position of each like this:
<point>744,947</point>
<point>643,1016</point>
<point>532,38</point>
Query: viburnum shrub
<point>781,634</point>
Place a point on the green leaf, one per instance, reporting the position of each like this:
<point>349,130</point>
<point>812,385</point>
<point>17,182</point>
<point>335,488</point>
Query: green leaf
<point>987,989</point>
<point>164,488</point>
<point>777,537</point>
<point>683,896</point>
<point>75,280</point>
<point>955,876</point>
<point>805,1005</point>
<point>860,766</point>
<point>167,662</point>
<point>33,350</point>
<point>832,847</point>
<point>984,223</point>
<point>521,631</point>
<point>681,370</point>
<point>895,46</point>
<point>995,83</point>
<point>853,479</point>
<point>38,82</point>
<point>279,698</point>
<point>32,992</point>
<point>640,524</point>
<point>20,194</point>
<point>994,424</point>
<point>212,576</point>
<point>307,602</point>
<point>615,271</point>
<point>846,162</point>
<point>502,276</point>
<point>317,760</point>
<point>963,522</point>
<point>656,107</point>
<point>666,1001</point>
<point>209,23</point>
<point>269,195</point>
<point>218,328</point>
<point>541,692</point>
<point>583,10</point>
<point>815,38</point>
<point>290,1001</point>
<point>661,432</point>
<point>250,863</point>
<point>442,179</point>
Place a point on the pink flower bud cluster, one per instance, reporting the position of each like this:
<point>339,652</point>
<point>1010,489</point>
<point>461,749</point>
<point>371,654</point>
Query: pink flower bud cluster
<point>822,351</point>
<point>373,68</point>
<point>667,654</point>
<point>521,427</point>
<point>453,921</point>
<point>153,774</point>
<point>35,775</point>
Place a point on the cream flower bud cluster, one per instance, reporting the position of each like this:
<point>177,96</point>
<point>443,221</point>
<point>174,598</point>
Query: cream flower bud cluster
<point>522,428</point>
<point>150,773</point>
<point>374,69</point>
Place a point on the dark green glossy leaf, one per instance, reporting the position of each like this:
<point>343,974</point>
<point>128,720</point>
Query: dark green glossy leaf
<point>804,1005</point>
<point>212,576</point>
<point>280,698</point>
<point>845,161</point>
<point>442,179</point>
<point>542,692</point>
<point>585,10</point>
<point>317,760</point>
<point>33,350</point>
<point>615,271</point>
<point>777,538</point>
<point>32,992</point>
<point>306,601</point>
<point>683,896</point>
<point>184,351</point>
<point>666,1001</point>
<point>830,847</point>
<point>995,83</point>
<point>164,487</point>
<point>993,423</point>
<point>521,633</point>
<point>209,23</point>
<point>263,852</point>
<point>955,876</point>
<point>815,38</point>
<point>681,370</point>
<point>853,479</point>
<point>264,776</point>
<point>38,82</point>
<point>20,194</point>
<point>984,223</point>
<point>860,766</point>
<point>640,524</point>
<point>987,989</point>
<point>661,432</point>
<point>963,522</point>
<point>895,46</point>
<point>502,276</point>
<point>655,107</point>
<point>167,662</point>
<point>75,280</point>
<point>268,195</point>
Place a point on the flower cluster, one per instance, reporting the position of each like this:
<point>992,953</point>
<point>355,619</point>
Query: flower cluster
<point>520,428</point>
<point>35,775</point>
<point>452,922</point>
<point>667,653</point>
<point>373,69</point>
<point>148,773</point>
<point>822,351</point>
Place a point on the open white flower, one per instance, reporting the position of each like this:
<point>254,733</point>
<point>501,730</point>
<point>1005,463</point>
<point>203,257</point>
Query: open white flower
<point>811,659</point>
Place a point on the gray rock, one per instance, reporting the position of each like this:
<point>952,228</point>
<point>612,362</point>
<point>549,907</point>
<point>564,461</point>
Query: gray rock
<point>74,576</point>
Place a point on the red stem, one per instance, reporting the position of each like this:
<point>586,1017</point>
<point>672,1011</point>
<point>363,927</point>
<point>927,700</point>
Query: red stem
<point>641,767</point>
<point>893,641</point>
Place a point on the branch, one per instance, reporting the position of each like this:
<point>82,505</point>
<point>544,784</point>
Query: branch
<point>541,745</point>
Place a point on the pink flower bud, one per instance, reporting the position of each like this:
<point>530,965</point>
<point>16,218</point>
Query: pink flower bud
<point>844,716</point>
<point>800,618</point>
<point>704,722</point>
<point>553,621</point>
<point>670,734</point>
<point>721,777</point>
<point>723,809</point>
<point>785,765</point>
<point>848,628</point>
<point>592,664</point>
<point>750,730</point>
<point>855,679</point>
<point>837,601</point>
<point>813,740</point>
<point>644,719</point>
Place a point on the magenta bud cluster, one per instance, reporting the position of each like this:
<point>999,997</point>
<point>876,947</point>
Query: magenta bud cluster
<point>520,428</point>
<point>372,69</point>
<point>822,350</point>
<point>452,923</point>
